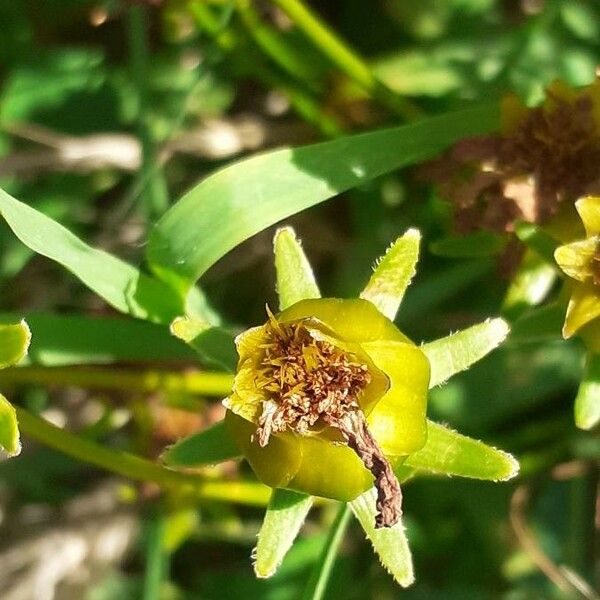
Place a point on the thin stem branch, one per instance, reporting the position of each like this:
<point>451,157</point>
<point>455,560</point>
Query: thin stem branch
<point>190,382</point>
<point>317,585</point>
<point>137,468</point>
<point>150,182</point>
<point>345,58</point>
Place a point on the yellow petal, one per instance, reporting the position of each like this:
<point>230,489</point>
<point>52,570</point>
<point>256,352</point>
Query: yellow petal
<point>575,259</point>
<point>589,211</point>
<point>583,308</point>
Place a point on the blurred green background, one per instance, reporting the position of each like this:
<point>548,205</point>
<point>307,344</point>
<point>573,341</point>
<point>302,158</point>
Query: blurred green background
<point>109,111</point>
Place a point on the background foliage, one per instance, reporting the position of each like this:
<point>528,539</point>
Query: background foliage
<point>111,111</point>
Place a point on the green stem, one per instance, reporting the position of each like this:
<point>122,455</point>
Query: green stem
<point>201,383</point>
<point>139,469</point>
<point>150,183</point>
<point>345,58</point>
<point>229,40</point>
<point>317,585</point>
<point>156,558</point>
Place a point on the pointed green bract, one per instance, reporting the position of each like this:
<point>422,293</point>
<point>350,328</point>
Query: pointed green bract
<point>459,351</point>
<point>240,200</point>
<point>390,543</point>
<point>587,402</point>
<point>213,344</point>
<point>120,284</point>
<point>450,453</point>
<point>14,342</point>
<point>285,515</point>
<point>295,278</point>
<point>393,274</point>
<point>9,430</point>
<point>208,447</point>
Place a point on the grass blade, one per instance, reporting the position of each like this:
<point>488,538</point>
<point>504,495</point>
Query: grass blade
<point>240,200</point>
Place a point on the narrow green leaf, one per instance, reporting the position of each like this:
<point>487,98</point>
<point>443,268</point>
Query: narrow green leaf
<point>390,543</point>
<point>215,345</point>
<point>62,340</point>
<point>393,273</point>
<point>208,447</point>
<point>9,430</point>
<point>14,342</point>
<point>540,324</point>
<point>285,515</point>
<point>450,453</point>
<point>458,351</point>
<point>246,197</point>
<point>473,245</point>
<point>587,402</point>
<point>537,239</point>
<point>123,286</point>
<point>295,278</point>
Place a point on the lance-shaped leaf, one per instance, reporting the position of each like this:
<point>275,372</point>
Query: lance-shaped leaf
<point>285,515</point>
<point>393,273</point>
<point>587,402</point>
<point>295,278</point>
<point>450,453</point>
<point>459,351</point>
<point>208,447</point>
<point>9,430</point>
<point>123,286</point>
<point>14,342</point>
<point>213,344</point>
<point>75,339</point>
<point>248,196</point>
<point>472,245</point>
<point>390,543</point>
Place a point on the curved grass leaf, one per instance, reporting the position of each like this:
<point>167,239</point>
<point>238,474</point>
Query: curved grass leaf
<point>9,430</point>
<point>240,200</point>
<point>450,453</point>
<point>393,274</point>
<point>390,543</point>
<point>14,342</point>
<point>209,447</point>
<point>295,277</point>
<point>62,340</point>
<point>213,344</point>
<point>120,284</point>
<point>457,352</point>
<point>587,402</point>
<point>285,515</point>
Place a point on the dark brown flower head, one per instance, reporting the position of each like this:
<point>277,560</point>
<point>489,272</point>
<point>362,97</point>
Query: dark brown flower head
<point>544,157</point>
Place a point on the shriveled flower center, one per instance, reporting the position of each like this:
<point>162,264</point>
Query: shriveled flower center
<point>311,381</point>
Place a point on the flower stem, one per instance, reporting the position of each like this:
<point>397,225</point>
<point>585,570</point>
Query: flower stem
<point>345,58</point>
<point>315,590</point>
<point>192,382</point>
<point>137,468</point>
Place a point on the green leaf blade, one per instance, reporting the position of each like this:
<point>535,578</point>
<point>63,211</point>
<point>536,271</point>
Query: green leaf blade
<point>457,352</point>
<point>390,543</point>
<point>240,200</point>
<point>587,401</point>
<point>285,516</point>
<point>295,277</point>
<point>393,274</point>
<point>208,447</point>
<point>120,284</point>
<point>10,440</point>
<point>14,343</point>
<point>450,453</point>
